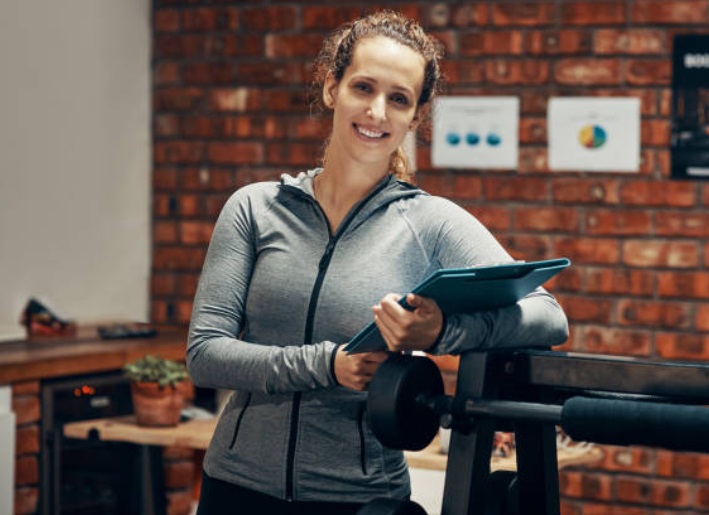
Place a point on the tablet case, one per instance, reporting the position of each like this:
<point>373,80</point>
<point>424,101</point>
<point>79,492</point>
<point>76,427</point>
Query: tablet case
<point>465,290</point>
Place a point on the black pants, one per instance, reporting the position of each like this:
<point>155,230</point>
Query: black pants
<point>221,498</point>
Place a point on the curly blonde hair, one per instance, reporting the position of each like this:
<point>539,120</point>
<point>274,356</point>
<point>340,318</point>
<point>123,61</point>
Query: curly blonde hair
<point>338,50</point>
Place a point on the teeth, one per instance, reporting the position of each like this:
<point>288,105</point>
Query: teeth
<point>370,133</point>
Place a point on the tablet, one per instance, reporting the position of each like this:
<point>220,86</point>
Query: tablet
<point>466,290</point>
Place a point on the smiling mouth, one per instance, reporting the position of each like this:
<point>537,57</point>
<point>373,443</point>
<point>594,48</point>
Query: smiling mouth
<point>370,133</point>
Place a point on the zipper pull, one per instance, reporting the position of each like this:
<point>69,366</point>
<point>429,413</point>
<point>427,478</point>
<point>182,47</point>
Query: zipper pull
<point>325,260</point>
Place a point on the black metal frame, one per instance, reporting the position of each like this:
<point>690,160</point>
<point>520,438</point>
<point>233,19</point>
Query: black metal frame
<point>546,377</point>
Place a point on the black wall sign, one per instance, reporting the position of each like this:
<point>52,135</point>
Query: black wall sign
<point>690,107</point>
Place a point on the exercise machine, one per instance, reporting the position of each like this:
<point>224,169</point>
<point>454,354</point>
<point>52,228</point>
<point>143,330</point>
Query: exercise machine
<point>593,398</point>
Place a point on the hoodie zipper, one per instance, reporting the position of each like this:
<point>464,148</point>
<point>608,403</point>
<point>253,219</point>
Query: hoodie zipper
<point>322,270</point>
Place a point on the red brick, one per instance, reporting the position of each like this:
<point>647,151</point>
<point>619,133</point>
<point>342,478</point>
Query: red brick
<point>176,258</point>
<point>655,493</point>
<point>515,72</point>
<point>613,340</point>
<point>162,284</point>
<point>27,439</point>
<point>177,99</point>
<point>235,153</point>
<point>164,231</point>
<point>166,125</point>
<point>179,503</point>
<point>176,452</point>
<point>460,15</point>
<point>682,346</point>
<point>190,205</point>
<point>210,73</point>
<point>586,191</point>
<point>494,218</point>
<point>546,219</point>
<point>268,73</point>
<point>275,18</point>
<point>664,254</point>
<point>209,19</point>
<point>521,13</point>
<point>293,154</point>
<point>491,43</point>
<point>235,99</point>
<point>589,250</point>
<point>585,72</point>
<point>629,41</point>
<point>528,247</point>
<point>653,314</point>
<point>593,13</point>
<point>622,223</point>
<point>178,474</point>
<point>682,224</point>
<point>533,160</point>
<point>676,11</point>
<point>558,42</point>
<point>658,193</point>
<point>533,103</point>
<point>178,152</point>
<point>181,45</point>
<point>206,179</point>
<point>292,45</point>
<point>702,318</point>
<point>619,281</point>
<point>690,285</point>
<point>682,465</point>
<point>585,485</point>
<point>26,500</point>
<point>587,310</point>
<point>25,388</point>
<point>187,284</point>
<point>183,312</point>
<point>26,470</point>
<point>26,408</point>
<point>705,195</point>
<point>195,232</point>
<point>532,130</point>
<point>459,71</point>
<point>517,188</point>
<point>648,72</point>
<point>464,186</point>
<point>655,133</point>
<point>166,20</point>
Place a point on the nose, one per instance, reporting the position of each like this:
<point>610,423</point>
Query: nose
<point>377,108</point>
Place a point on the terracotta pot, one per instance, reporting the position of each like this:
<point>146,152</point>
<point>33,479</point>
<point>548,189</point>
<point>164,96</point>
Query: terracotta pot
<point>157,406</point>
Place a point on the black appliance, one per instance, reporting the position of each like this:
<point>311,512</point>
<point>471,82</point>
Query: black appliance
<point>85,477</point>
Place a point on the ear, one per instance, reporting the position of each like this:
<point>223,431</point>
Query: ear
<point>329,92</point>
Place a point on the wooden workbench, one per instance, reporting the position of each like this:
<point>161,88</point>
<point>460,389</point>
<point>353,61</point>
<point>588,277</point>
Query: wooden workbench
<point>196,434</point>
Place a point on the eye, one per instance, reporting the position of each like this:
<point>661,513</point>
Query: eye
<point>362,87</point>
<point>400,99</point>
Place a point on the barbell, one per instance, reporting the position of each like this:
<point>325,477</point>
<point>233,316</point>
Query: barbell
<point>406,406</point>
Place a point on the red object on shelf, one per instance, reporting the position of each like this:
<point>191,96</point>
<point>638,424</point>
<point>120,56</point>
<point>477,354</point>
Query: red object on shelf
<point>41,322</point>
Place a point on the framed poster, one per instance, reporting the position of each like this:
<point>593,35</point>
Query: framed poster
<point>594,134</point>
<point>475,132</point>
<point>689,144</point>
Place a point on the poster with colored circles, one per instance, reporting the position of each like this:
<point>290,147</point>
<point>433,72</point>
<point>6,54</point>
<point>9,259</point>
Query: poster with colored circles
<point>475,132</point>
<point>594,134</point>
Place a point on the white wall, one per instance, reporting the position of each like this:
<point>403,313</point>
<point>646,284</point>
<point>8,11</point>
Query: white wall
<point>75,157</point>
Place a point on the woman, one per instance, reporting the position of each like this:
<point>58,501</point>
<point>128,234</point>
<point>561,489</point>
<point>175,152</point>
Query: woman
<point>296,268</point>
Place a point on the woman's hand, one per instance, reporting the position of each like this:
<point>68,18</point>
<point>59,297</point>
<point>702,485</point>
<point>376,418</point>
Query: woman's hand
<point>408,330</point>
<point>355,371</point>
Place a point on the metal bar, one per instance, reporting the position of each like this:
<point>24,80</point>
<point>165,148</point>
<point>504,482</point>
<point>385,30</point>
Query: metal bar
<point>674,380</point>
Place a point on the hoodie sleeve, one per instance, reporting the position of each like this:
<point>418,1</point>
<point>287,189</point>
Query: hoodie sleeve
<point>216,356</point>
<point>537,320</point>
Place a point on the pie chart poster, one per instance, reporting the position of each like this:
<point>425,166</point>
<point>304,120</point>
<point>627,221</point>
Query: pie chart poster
<point>689,146</point>
<point>594,134</point>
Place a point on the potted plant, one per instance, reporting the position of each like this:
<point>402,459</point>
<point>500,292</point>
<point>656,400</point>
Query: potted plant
<point>158,388</point>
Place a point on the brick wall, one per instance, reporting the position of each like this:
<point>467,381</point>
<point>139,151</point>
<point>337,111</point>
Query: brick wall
<point>231,107</point>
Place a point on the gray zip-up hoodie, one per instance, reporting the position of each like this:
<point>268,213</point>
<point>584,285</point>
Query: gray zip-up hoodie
<point>279,292</point>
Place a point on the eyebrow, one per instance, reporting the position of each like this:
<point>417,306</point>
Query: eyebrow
<point>402,89</point>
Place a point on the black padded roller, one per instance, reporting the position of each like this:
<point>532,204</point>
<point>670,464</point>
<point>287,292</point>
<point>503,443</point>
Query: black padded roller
<point>622,422</point>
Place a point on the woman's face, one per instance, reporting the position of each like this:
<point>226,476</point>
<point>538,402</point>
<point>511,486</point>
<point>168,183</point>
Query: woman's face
<point>375,102</point>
